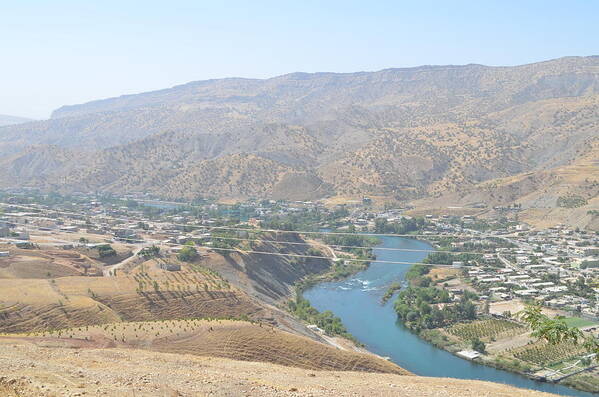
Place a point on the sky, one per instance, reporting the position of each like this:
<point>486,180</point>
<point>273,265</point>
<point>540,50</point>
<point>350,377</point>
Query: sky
<point>59,52</point>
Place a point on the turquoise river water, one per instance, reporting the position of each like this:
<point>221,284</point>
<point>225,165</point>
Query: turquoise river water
<point>357,302</point>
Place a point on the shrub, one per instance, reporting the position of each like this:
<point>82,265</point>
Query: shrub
<point>187,254</point>
<point>106,250</point>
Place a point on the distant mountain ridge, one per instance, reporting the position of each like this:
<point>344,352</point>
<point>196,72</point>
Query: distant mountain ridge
<point>10,120</point>
<point>402,134</point>
<point>490,80</point>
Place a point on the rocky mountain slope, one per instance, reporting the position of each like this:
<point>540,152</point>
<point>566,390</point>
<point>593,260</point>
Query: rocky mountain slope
<point>398,133</point>
<point>567,194</point>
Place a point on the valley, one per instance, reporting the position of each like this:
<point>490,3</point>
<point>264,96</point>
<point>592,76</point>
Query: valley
<point>319,199</point>
<point>252,281</point>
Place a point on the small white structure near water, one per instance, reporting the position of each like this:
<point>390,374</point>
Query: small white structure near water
<point>469,354</point>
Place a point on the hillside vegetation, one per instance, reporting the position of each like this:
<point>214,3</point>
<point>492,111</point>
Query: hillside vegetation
<point>398,133</point>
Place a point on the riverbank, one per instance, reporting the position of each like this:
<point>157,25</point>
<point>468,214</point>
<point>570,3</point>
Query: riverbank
<point>343,266</point>
<point>454,320</point>
<point>584,379</point>
<point>555,363</point>
<point>357,302</point>
<point>511,347</point>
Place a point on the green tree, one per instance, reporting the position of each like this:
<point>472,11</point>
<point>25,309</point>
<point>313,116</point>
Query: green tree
<point>106,250</point>
<point>555,330</point>
<point>187,254</point>
<point>478,345</point>
<point>149,252</point>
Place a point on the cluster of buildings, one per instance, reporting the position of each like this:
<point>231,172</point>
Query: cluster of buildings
<point>558,267</point>
<point>531,264</point>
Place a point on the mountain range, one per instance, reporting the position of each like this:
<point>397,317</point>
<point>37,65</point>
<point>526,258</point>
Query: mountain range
<point>10,120</point>
<point>423,133</point>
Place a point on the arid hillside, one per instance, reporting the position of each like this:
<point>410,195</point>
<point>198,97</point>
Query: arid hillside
<point>238,340</point>
<point>46,287</point>
<point>567,194</point>
<point>402,134</point>
<point>74,301</point>
<point>218,305</point>
<point>34,368</point>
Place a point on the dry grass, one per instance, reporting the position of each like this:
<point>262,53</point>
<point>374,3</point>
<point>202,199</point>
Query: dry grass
<point>44,263</point>
<point>237,340</point>
<point>36,304</point>
<point>441,273</point>
<point>133,372</point>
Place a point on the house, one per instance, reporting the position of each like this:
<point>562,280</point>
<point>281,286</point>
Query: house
<point>24,245</point>
<point>540,266</point>
<point>501,296</point>
<point>92,230</point>
<point>171,267</point>
<point>589,251</point>
<point>315,328</point>
<point>542,285</point>
<point>519,277</point>
<point>125,233</point>
<point>182,239</point>
<point>589,261</point>
<point>490,279</point>
<point>4,229</point>
<point>254,222</point>
<point>21,235</point>
<point>526,292</point>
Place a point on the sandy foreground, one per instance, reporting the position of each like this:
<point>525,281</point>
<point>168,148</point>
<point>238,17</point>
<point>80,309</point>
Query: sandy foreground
<point>30,370</point>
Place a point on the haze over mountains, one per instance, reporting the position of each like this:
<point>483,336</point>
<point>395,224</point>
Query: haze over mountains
<point>10,120</point>
<point>398,133</point>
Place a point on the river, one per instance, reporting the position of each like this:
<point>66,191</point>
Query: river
<point>357,302</point>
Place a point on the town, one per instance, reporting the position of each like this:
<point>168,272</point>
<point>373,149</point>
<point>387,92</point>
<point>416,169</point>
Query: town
<point>499,263</point>
<point>558,266</point>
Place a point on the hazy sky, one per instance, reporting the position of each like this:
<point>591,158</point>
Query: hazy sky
<point>57,52</point>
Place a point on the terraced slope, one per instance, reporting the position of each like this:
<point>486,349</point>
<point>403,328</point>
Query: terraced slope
<point>239,340</point>
<point>38,304</point>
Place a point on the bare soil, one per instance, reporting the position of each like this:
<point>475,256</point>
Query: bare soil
<point>30,370</point>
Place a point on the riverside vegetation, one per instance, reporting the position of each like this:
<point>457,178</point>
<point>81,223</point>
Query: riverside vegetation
<point>428,309</point>
<point>343,267</point>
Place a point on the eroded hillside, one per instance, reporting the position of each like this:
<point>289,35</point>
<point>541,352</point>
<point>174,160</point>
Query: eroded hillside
<point>402,134</point>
